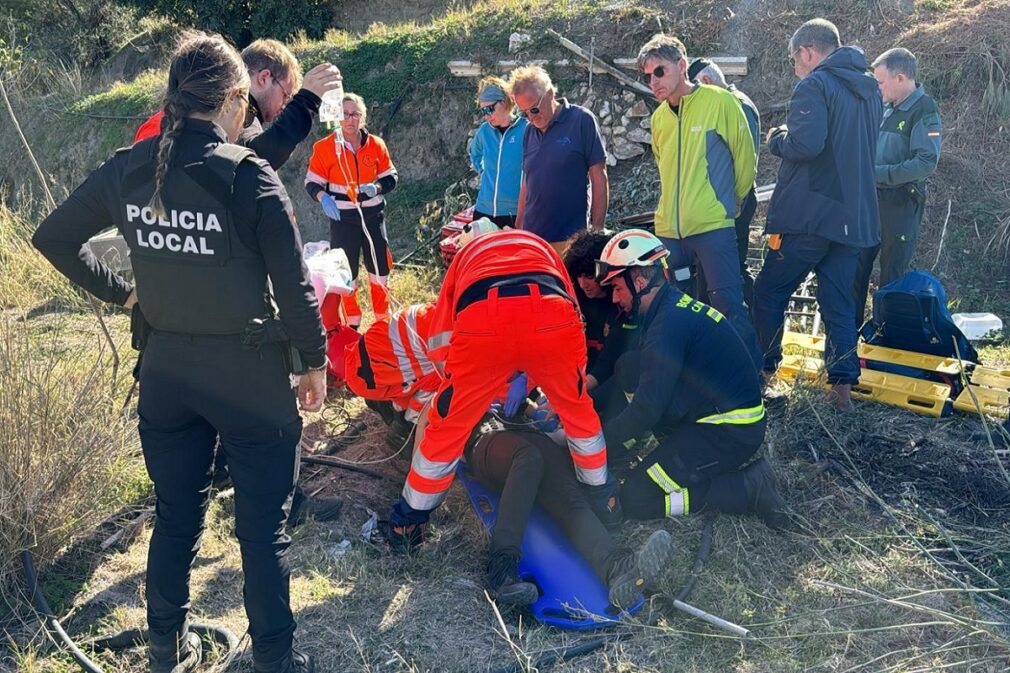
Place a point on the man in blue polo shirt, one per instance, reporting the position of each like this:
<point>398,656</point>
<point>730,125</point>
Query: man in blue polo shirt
<point>563,159</point>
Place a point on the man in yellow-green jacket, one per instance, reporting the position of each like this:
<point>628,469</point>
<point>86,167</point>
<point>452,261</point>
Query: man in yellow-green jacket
<point>706,160</point>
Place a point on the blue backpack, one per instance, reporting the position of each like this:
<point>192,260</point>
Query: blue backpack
<point>911,313</point>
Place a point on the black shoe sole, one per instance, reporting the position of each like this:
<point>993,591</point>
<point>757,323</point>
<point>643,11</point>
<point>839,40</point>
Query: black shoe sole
<point>520,593</point>
<point>651,561</point>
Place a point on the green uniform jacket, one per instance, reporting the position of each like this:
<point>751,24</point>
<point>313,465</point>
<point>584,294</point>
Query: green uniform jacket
<point>908,147</point>
<point>706,160</point>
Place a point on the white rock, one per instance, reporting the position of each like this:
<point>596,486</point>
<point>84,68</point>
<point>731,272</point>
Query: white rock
<point>611,159</point>
<point>619,131</point>
<point>625,149</point>
<point>646,123</point>
<point>517,40</point>
<point>629,97</point>
<point>605,110</point>
<point>640,136</point>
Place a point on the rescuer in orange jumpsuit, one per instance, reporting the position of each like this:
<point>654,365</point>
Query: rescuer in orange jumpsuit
<point>506,305</point>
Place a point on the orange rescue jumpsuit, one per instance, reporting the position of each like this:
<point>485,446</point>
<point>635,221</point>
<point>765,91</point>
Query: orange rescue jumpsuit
<point>505,306</point>
<point>390,362</point>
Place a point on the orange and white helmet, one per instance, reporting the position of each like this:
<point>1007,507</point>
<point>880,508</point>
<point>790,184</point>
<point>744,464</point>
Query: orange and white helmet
<point>632,247</point>
<point>474,230</point>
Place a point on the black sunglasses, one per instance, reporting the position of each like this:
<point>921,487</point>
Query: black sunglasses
<point>657,73</point>
<point>535,110</point>
<point>487,109</point>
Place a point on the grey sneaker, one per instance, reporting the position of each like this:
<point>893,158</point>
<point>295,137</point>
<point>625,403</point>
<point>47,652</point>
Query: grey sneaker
<point>632,572</point>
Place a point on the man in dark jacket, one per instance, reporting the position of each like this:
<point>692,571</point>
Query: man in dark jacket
<point>277,96</point>
<point>908,150</point>
<point>824,210</point>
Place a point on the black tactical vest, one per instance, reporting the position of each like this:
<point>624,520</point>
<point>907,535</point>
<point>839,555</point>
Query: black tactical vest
<point>194,273</point>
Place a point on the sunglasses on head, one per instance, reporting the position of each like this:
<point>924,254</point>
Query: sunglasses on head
<point>535,110</point>
<point>487,109</point>
<point>657,73</point>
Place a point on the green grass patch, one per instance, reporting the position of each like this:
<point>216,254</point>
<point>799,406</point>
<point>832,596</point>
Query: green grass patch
<point>134,98</point>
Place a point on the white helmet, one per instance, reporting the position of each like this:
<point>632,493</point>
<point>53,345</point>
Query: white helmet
<point>474,230</point>
<point>632,247</point>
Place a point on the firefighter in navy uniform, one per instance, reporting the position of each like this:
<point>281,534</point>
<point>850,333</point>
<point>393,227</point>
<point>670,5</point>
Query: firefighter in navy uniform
<point>694,390</point>
<point>207,224</point>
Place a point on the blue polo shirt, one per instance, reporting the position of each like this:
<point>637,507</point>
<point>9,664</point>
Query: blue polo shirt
<point>556,167</point>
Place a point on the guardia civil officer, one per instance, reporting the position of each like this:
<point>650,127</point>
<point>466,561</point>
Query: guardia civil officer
<point>207,223</point>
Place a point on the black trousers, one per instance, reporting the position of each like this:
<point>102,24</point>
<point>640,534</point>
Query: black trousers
<point>900,218</point>
<point>704,459</point>
<point>527,467</point>
<point>195,390</point>
<point>349,235</point>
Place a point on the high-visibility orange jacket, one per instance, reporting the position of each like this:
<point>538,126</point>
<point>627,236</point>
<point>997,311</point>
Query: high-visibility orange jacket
<point>392,354</point>
<point>340,172</point>
<point>514,251</point>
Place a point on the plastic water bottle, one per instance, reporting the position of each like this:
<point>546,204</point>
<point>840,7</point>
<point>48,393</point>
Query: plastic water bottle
<point>331,110</point>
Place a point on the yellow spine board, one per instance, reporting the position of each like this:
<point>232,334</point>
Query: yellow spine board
<point>992,402</point>
<point>793,366</point>
<point>897,356</point>
<point>924,397</point>
<point>991,378</point>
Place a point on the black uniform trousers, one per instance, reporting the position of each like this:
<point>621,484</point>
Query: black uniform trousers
<point>349,235</point>
<point>901,212</point>
<point>704,459</point>
<point>193,391</point>
<point>742,226</point>
<point>527,467</point>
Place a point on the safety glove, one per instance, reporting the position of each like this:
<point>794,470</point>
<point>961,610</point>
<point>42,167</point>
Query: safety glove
<point>369,191</point>
<point>329,205</point>
<point>402,538</point>
<point>516,394</point>
<point>605,503</point>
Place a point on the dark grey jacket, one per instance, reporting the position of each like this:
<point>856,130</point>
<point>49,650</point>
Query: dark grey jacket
<point>908,148</point>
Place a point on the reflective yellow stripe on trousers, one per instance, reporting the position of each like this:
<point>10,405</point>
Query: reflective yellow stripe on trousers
<point>678,502</point>
<point>737,416</point>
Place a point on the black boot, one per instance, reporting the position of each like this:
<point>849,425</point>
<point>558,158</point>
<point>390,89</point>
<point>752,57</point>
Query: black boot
<point>295,662</point>
<point>763,496</point>
<point>319,508</point>
<point>504,583</point>
<point>383,408</point>
<point>632,572</point>
<point>399,432</point>
<point>178,652</point>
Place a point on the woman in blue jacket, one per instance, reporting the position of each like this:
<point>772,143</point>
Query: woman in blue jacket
<point>496,153</point>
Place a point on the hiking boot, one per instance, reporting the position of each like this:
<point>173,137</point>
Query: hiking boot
<point>763,496</point>
<point>504,583</point>
<point>402,539</point>
<point>296,662</point>
<point>399,432</point>
<point>840,396</point>
<point>383,408</point>
<point>632,572</point>
<point>319,508</point>
<point>174,654</point>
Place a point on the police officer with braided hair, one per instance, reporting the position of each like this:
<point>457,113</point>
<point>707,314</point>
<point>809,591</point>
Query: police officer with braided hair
<point>210,231</point>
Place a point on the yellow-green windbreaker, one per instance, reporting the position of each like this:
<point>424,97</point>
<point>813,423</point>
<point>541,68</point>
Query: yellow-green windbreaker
<point>705,155</point>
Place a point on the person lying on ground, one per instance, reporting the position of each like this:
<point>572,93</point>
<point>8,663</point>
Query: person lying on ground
<point>527,467</point>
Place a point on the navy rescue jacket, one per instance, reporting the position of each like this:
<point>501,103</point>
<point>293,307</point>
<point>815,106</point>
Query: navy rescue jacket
<point>692,365</point>
<point>826,184</point>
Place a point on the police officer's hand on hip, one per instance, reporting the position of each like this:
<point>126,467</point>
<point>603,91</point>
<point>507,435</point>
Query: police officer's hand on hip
<point>214,248</point>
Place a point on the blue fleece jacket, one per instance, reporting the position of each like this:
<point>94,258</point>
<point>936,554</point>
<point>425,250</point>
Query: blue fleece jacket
<point>826,184</point>
<point>498,159</point>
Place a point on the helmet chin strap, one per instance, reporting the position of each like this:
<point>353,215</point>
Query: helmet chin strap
<point>636,295</point>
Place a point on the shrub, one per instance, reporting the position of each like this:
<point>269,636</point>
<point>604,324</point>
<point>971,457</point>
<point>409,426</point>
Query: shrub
<point>242,22</point>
